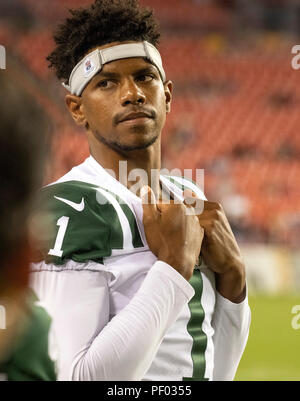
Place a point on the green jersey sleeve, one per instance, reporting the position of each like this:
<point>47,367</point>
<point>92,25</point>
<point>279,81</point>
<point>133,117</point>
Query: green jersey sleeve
<point>83,222</point>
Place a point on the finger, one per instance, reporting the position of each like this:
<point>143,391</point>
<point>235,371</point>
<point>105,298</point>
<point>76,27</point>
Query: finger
<point>212,205</point>
<point>207,205</point>
<point>212,214</point>
<point>213,217</point>
<point>149,202</point>
<point>147,195</point>
<point>193,202</point>
<point>189,193</point>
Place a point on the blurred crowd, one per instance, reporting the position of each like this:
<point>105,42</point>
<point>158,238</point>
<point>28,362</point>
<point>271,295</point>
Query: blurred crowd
<point>235,104</point>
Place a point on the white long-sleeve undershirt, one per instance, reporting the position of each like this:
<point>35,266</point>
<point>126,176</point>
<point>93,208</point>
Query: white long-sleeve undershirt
<point>93,347</point>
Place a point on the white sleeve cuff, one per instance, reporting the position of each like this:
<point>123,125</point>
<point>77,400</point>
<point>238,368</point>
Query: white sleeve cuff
<point>225,303</point>
<point>176,277</point>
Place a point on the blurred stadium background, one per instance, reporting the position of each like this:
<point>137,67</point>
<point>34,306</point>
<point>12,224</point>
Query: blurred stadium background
<point>236,114</point>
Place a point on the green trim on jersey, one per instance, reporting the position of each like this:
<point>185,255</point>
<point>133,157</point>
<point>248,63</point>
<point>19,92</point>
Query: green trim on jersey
<point>195,329</point>
<point>175,182</point>
<point>182,186</point>
<point>29,359</point>
<point>197,312</point>
<point>86,234</point>
<point>136,238</point>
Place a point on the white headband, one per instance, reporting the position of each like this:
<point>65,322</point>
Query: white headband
<point>87,68</point>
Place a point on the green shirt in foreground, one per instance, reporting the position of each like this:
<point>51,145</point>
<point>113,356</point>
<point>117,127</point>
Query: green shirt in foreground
<point>29,358</point>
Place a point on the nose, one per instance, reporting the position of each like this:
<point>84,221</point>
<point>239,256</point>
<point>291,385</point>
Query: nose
<point>131,93</point>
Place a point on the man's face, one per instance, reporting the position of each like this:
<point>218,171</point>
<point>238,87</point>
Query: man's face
<point>112,99</point>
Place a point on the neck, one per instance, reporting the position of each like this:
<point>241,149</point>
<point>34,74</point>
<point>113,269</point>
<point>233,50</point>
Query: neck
<point>132,168</point>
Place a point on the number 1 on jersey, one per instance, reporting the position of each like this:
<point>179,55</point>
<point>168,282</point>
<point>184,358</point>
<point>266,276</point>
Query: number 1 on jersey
<point>63,224</point>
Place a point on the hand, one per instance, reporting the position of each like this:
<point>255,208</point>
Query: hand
<point>172,235</point>
<point>220,250</point>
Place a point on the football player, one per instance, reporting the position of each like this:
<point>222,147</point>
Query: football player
<point>120,273</point>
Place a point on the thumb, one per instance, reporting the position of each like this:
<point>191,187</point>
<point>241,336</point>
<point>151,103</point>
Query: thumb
<point>147,195</point>
<point>194,204</point>
<point>148,201</point>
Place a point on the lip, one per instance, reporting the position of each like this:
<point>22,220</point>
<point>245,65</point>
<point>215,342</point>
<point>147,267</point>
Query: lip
<point>141,116</point>
<point>135,121</point>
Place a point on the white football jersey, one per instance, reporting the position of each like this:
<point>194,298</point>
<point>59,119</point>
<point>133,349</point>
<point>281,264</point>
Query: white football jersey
<point>119,314</point>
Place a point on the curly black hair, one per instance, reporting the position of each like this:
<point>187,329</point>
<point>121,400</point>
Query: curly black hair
<point>105,21</point>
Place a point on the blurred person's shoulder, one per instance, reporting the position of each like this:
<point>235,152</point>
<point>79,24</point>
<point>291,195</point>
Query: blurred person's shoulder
<point>29,358</point>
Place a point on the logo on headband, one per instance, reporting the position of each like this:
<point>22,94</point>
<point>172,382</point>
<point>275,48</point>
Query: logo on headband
<point>88,67</point>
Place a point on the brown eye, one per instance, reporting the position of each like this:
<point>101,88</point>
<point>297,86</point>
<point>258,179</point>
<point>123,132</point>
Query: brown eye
<point>105,84</point>
<point>145,78</point>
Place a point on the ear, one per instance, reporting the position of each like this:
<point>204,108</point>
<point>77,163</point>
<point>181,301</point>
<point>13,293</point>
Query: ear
<point>168,86</point>
<point>74,104</point>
